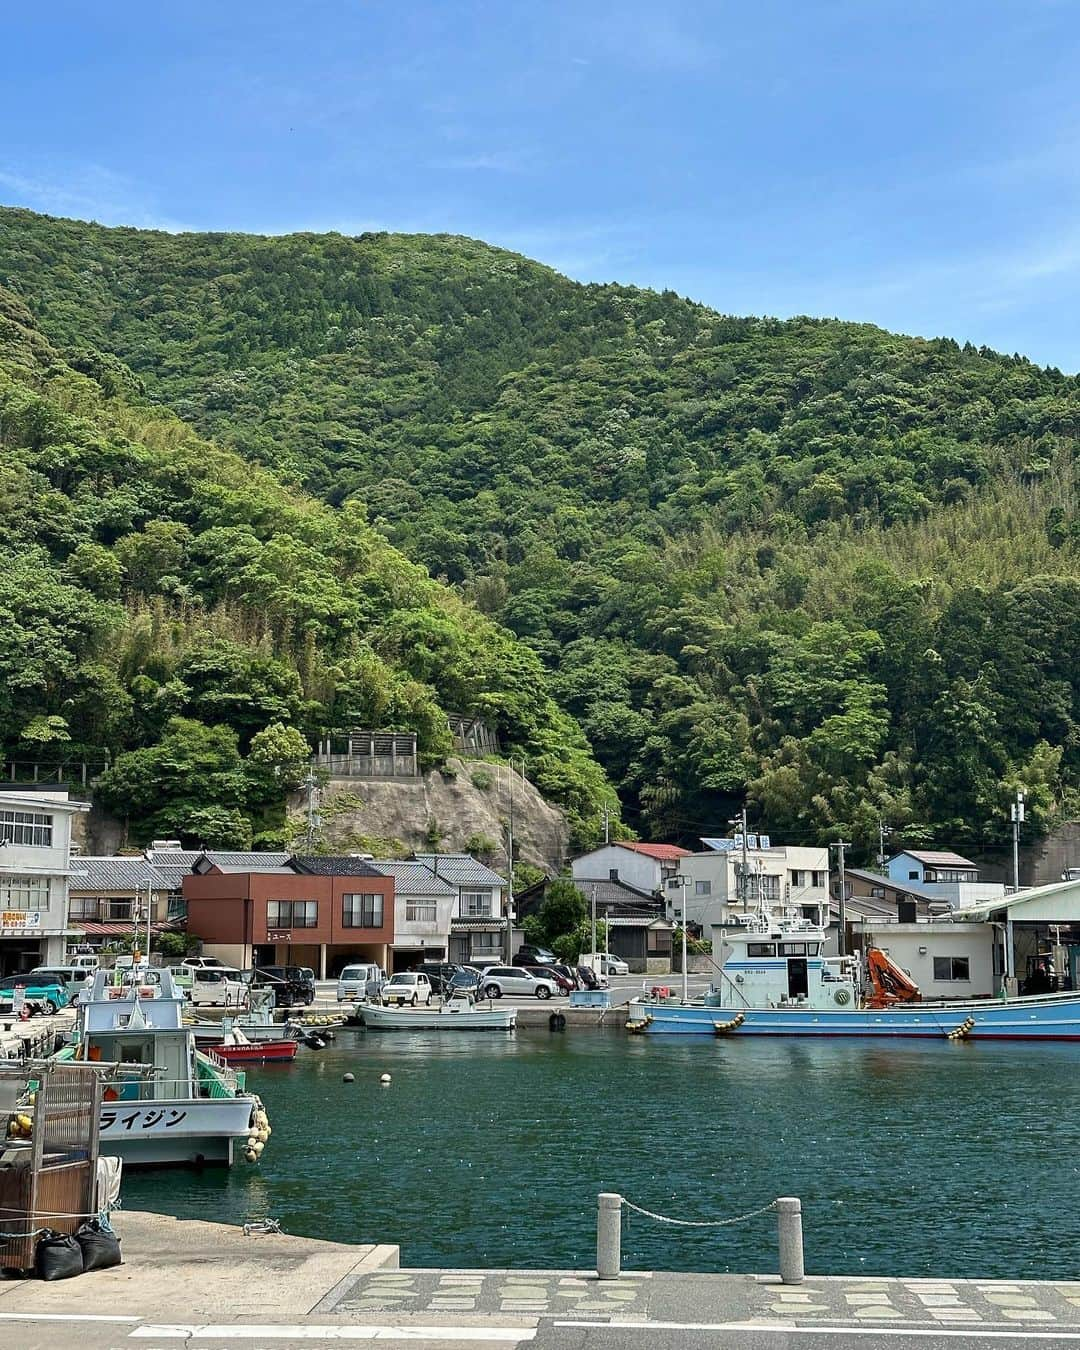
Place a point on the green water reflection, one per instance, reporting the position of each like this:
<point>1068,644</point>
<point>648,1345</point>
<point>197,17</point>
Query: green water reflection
<point>953,1159</point>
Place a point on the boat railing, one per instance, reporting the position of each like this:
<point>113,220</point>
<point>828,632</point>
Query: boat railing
<point>219,1069</point>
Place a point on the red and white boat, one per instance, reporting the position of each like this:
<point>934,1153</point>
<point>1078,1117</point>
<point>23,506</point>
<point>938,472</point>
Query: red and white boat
<point>237,1049</point>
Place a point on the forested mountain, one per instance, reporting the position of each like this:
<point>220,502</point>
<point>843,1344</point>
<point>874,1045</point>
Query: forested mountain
<point>808,562</point>
<point>163,599</point>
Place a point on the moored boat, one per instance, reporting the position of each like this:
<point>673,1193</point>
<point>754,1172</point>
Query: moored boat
<point>457,1014</point>
<point>165,1100</point>
<point>776,981</point>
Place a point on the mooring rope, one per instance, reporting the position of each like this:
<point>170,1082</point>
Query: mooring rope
<point>699,1223</point>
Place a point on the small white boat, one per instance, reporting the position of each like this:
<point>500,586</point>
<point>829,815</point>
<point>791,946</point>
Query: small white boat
<point>457,1014</point>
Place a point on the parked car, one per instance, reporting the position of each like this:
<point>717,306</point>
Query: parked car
<point>362,980</point>
<point>203,963</point>
<point>225,986</point>
<point>44,995</point>
<point>465,980</point>
<point>407,986</point>
<point>550,973</point>
<point>534,956</point>
<point>501,980</point>
<point>439,973</point>
<point>590,979</point>
<point>291,984</point>
<point>73,978</point>
<point>611,965</point>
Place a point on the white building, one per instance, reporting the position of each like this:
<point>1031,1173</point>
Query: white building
<point>424,906</point>
<point>945,959</point>
<point>943,875</point>
<point>478,920</point>
<point>35,868</point>
<point>783,876</point>
<point>647,867</point>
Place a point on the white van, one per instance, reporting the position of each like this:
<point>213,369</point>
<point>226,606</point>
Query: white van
<point>360,981</point>
<point>222,986</point>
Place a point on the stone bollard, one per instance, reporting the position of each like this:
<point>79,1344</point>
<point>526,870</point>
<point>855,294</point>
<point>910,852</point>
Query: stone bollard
<point>789,1231</point>
<point>608,1236</point>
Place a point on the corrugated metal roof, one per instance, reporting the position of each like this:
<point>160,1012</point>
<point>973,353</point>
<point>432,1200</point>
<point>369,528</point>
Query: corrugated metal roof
<point>413,878</point>
<point>93,929</point>
<point>609,892</point>
<point>932,858</point>
<point>478,925</point>
<point>460,869</point>
<point>637,921</point>
<point>660,852</point>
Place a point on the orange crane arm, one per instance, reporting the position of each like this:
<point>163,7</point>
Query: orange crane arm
<point>888,983</point>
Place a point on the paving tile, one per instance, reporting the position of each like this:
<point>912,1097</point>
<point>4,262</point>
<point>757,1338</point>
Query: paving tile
<point>1017,1300</point>
<point>1028,1315</point>
<point>960,1314</point>
<point>879,1312</point>
<point>940,1300</point>
<point>867,1297</point>
<point>797,1309</point>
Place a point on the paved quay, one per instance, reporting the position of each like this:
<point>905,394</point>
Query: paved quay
<point>207,1284</point>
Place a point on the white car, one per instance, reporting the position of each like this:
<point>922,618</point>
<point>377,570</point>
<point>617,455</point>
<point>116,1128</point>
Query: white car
<point>611,965</point>
<point>501,980</point>
<point>408,986</point>
<point>222,986</point>
<point>360,981</point>
<point>202,963</point>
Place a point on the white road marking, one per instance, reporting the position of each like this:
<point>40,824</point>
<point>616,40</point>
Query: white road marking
<point>775,1329</point>
<point>304,1332</point>
<point>63,1317</point>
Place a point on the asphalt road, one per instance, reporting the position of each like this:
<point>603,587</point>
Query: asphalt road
<point>131,1332</point>
<point>622,987</point>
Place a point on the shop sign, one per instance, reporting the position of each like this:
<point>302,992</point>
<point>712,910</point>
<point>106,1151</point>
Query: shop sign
<point>19,920</point>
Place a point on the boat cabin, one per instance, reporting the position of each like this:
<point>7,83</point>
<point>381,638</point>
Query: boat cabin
<point>770,962</point>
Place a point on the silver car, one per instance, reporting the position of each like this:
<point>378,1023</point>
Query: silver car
<point>501,980</point>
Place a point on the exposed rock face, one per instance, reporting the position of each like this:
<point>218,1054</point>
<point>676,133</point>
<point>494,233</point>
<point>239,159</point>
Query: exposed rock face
<point>466,801</point>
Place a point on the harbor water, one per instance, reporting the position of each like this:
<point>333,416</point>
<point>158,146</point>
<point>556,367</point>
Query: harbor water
<point>488,1150</point>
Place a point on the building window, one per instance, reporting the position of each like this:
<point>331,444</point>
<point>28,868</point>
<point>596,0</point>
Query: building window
<point>914,876</point>
<point>420,911</point>
<point>26,827</point>
<point>24,893</point>
<point>476,904</point>
<point>362,911</point>
<point>952,968</point>
<point>820,879</point>
<point>877,892</point>
<point>292,913</point>
<point>703,888</point>
<point>798,878</point>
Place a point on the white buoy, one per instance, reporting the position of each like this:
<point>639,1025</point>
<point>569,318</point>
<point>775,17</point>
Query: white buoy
<point>348,1078</point>
<point>385,1080</point>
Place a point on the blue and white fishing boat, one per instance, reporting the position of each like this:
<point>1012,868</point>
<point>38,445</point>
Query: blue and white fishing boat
<point>776,981</point>
<point>165,1101</point>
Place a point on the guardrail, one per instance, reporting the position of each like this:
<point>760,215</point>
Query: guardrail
<point>609,1208</point>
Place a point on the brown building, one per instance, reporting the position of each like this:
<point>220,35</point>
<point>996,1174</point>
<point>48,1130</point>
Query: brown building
<point>317,912</point>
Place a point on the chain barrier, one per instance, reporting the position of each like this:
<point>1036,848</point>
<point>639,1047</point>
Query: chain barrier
<point>699,1223</point>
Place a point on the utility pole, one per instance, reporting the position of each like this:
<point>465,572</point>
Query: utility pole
<point>607,825</point>
<point>1017,815</point>
<point>510,869</point>
<point>682,881</point>
<point>840,846</point>
<point>739,823</point>
<point>881,845</point>
<point>592,892</point>
<point>313,821</point>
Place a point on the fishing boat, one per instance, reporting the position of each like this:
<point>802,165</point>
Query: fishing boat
<point>776,981</point>
<point>165,1101</point>
<point>456,1014</point>
<point>236,1048</point>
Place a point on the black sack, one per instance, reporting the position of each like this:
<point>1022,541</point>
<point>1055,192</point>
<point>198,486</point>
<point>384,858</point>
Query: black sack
<point>100,1246</point>
<point>57,1256</point>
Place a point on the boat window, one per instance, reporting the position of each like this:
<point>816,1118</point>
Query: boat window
<point>813,948</point>
<point>793,949</point>
<point>761,949</point>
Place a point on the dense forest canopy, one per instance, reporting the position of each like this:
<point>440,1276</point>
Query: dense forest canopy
<point>809,563</point>
<point>202,622</point>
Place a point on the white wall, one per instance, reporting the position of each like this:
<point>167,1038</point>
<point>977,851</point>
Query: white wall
<point>637,869</point>
<point>51,862</point>
<point>718,870</point>
<point>904,943</point>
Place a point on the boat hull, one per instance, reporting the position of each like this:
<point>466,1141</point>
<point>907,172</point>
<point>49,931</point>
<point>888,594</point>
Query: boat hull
<point>438,1019</point>
<point>258,1052</point>
<point>175,1132</point>
<point>1043,1018</point>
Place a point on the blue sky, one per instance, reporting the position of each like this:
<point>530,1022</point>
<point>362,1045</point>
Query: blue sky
<point>912,164</point>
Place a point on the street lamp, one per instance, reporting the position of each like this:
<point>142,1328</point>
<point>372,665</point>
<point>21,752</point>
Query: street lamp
<point>682,881</point>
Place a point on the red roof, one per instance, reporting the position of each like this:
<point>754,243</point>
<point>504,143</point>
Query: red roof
<point>119,929</point>
<point>661,852</point>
